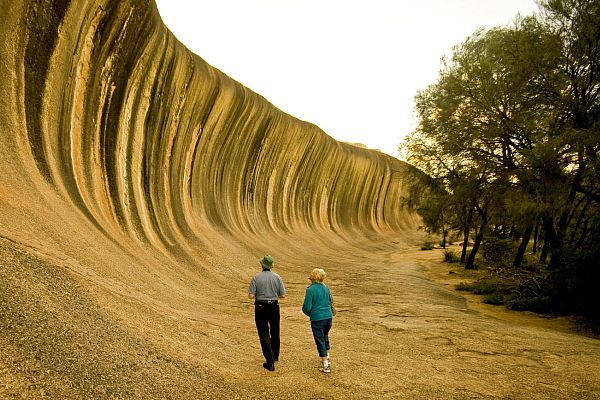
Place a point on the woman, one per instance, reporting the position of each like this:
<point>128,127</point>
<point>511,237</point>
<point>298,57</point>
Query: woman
<point>317,305</point>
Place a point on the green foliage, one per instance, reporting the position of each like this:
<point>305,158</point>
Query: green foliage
<point>536,303</point>
<point>428,245</point>
<point>450,256</point>
<point>498,251</point>
<point>508,136</point>
<point>483,287</point>
<point>496,299</point>
<point>575,285</point>
<point>465,287</point>
<point>589,325</point>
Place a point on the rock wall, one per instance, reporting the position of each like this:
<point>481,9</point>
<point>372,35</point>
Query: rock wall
<point>105,110</point>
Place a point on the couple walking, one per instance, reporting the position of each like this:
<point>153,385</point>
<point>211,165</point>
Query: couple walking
<point>266,288</point>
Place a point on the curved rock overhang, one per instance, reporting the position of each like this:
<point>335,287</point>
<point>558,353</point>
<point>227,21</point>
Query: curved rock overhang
<point>108,111</point>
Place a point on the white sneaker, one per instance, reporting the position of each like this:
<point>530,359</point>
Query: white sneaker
<point>326,367</point>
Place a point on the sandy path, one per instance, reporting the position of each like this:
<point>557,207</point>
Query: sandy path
<point>401,335</point>
<point>398,335</point>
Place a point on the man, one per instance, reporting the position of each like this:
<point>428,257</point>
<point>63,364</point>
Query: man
<point>266,288</point>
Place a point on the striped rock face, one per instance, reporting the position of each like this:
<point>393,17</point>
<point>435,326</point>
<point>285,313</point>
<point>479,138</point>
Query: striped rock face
<point>104,108</point>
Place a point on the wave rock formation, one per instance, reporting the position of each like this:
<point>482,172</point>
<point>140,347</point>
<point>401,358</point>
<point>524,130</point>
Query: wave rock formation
<point>152,144</point>
<point>135,174</point>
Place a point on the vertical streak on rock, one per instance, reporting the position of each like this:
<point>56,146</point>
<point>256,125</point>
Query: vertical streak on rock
<point>42,22</point>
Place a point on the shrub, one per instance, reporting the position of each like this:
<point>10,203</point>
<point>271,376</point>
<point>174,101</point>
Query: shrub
<point>478,287</point>
<point>450,256</point>
<point>574,286</point>
<point>485,288</point>
<point>529,302</point>
<point>498,251</point>
<point>465,287</point>
<point>495,299</point>
<point>427,246</point>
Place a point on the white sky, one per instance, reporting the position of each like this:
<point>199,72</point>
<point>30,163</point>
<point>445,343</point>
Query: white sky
<point>352,67</point>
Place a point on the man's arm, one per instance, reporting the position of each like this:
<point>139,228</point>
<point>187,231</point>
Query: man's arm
<point>252,289</point>
<point>281,294</point>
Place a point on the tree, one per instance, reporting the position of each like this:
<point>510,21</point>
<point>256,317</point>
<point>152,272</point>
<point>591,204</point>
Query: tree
<point>577,130</point>
<point>477,122</point>
<point>511,133</point>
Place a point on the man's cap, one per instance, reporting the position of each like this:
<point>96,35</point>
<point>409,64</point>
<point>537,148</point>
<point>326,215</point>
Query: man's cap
<point>266,262</point>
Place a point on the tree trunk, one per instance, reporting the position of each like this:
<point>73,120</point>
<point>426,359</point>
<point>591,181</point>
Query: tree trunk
<point>581,240</point>
<point>552,243</point>
<point>466,233</point>
<point>478,238</point>
<point>444,231</point>
<point>580,219</point>
<point>556,237</point>
<point>535,237</point>
<point>523,246</point>
<point>463,254</point>
<point>544,253</point>
<point>471,260</point>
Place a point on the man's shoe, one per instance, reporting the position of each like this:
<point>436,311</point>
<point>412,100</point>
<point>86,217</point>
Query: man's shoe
<point>326,367</point>
<point>269,366</point>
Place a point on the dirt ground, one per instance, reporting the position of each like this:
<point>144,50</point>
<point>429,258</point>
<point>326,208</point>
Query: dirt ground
<point>401,332</point>
<point>451,275</point>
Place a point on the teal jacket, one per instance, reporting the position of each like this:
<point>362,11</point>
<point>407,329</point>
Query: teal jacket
<point>317,304</point>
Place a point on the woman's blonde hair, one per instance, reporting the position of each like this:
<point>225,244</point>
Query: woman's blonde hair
<point>317,275</point>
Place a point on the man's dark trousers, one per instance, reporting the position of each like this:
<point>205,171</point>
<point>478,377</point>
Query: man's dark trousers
<point>266,316</point>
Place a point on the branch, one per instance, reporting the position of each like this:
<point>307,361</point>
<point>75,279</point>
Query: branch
<point>590,194</point>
